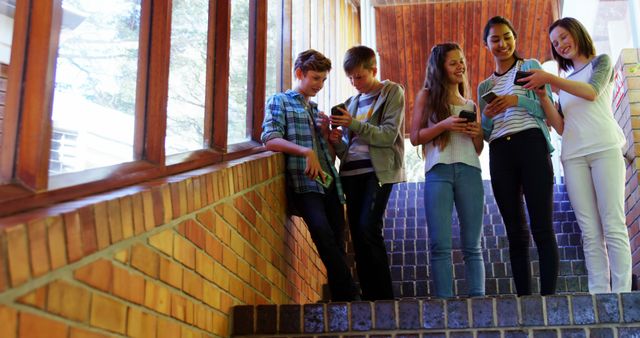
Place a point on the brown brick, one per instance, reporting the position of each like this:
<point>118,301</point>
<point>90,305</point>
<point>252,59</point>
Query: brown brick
<point>115,220</point>
<point>197,192</point>
<point>9,320</point>
<point>184,252</point>
<point>168,328</point>
<point>89,233</point>
<point>192,284</point>
<point>18,254</point>
<point>32,326</point>
<point>141,325</point>
<point>157,297</point>
<point>108,314</point>
<point>166,204</point>
<point>97,274</point>
<point>178,307</point>
<point>211,295</point>
<point>39,250</point>
<point>128,285</point>
<point>74,236</point>
<point>102,224</point>
<point>213,247</point>
<point>138,213</point>
<point>126,215</point>
<point>204,265</point>
<point>81,333</point>
<point>122,256</point>
<point>189,193</point>
<point>56,241</point>
<point>208,219</point>
<point>163,241</point>
<point>145,260</point>
<point>171,273</point>
<point>149,211</point>
<point>195,233</point>
<point>178,199</point>
<point>36,298</point>
<point>68,301</point>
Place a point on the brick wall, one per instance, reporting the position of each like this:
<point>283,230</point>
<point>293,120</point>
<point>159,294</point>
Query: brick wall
<point>627,112</point>
<point>164,259</point>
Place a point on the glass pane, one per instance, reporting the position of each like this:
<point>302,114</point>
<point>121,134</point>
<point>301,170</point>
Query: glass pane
<point>7,12</point>
<point>187,76</point>
<point>238,61</point>
<point>273,44</point>
<point>95,85</point>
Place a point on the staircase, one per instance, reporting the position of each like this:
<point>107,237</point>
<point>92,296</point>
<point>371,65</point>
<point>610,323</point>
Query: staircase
<point>570,313</point>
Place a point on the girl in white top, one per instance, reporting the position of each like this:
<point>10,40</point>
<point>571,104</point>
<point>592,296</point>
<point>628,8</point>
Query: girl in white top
<point>451,145</point>
<point>591,155</point>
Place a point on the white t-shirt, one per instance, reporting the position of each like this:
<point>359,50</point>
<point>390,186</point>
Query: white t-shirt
<point>460,148</point>
<point>589,126</point>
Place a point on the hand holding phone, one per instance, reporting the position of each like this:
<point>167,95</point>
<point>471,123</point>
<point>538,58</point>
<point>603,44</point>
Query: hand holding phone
<point>468,115</point>
<point>336,112</point>
<point>489,96</point>
<point>519,75</point>
<point>327,179</point>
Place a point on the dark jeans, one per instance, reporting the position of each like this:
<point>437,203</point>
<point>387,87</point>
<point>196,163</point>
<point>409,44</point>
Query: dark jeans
<point>521,164</point>
<point>324,216</point>
<point>366,203</point>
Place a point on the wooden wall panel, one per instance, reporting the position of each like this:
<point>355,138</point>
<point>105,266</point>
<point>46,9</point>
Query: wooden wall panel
<point>406,33</point>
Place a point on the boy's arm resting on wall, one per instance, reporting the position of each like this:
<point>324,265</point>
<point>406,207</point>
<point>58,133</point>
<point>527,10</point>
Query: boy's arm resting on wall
<point>385,134</point>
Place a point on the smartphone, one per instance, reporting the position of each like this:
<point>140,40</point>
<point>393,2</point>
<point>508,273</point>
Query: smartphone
<point>489,96</point>
<point>469,115</point>
<point>519,75</point>
<point>335,111</point>
<point>327,180</point>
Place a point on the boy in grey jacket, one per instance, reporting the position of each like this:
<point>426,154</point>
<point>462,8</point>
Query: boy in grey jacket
<point>370,145</point>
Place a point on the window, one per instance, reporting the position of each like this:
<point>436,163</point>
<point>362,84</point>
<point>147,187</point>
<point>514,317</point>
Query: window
<point>238,67</point>
<point>7,13</point>
<point>187,76</point>
<point>273,39</point>
<point>95,85</point>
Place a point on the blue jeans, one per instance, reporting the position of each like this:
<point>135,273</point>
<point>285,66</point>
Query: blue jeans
<point>446,184</point>
<point>366,203</point>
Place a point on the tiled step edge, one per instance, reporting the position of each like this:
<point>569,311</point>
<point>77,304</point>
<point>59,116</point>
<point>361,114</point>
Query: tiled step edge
<point>602,311</point>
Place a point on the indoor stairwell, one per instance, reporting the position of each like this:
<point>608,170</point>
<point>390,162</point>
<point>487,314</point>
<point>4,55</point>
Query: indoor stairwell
<point>570,313</point>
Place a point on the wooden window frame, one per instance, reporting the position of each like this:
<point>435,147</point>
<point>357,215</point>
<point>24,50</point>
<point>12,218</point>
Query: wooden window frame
<point>24,162</point>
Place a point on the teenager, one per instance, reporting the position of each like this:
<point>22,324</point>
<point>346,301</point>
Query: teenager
<point>591,155</point>
<point>519,158</point>
<point>290,127</point>
<point>370,145</point>
<point>446,123</point>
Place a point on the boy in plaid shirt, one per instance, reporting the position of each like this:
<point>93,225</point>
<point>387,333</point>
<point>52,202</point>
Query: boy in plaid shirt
<point>290,127</point>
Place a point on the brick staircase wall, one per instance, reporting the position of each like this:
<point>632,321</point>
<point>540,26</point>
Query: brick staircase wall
<point>168,258</point>
<point>603,315</point>
<point>406,239</point>
<point>627,113</point>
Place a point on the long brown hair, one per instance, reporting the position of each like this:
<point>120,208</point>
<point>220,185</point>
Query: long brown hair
<point>580,36</point>
<point>437,106</point>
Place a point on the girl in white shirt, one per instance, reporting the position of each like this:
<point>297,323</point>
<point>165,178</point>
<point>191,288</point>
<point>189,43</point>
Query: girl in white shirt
<point>451,146</point>
<point>592,157</point>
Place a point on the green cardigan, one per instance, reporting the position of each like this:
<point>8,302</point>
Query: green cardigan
<point>530,102</point>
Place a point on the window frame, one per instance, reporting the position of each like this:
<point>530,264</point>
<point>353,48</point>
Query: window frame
<point>24,162</point>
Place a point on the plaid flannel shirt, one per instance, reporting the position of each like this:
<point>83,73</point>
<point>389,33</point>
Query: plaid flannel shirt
<point>286,116</point>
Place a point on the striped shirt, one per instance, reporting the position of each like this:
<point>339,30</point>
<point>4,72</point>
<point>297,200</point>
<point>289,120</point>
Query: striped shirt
<point>513,119</point>
<point>288,116</point>
<point>358,160</point>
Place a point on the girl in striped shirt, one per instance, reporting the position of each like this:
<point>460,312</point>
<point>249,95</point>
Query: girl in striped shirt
<point>519,159</point>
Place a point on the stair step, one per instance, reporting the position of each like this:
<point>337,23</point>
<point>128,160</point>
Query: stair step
<point>576,315</point>
<point>406,241</point>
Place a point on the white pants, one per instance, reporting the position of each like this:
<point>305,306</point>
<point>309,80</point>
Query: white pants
<point>595,184</point>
